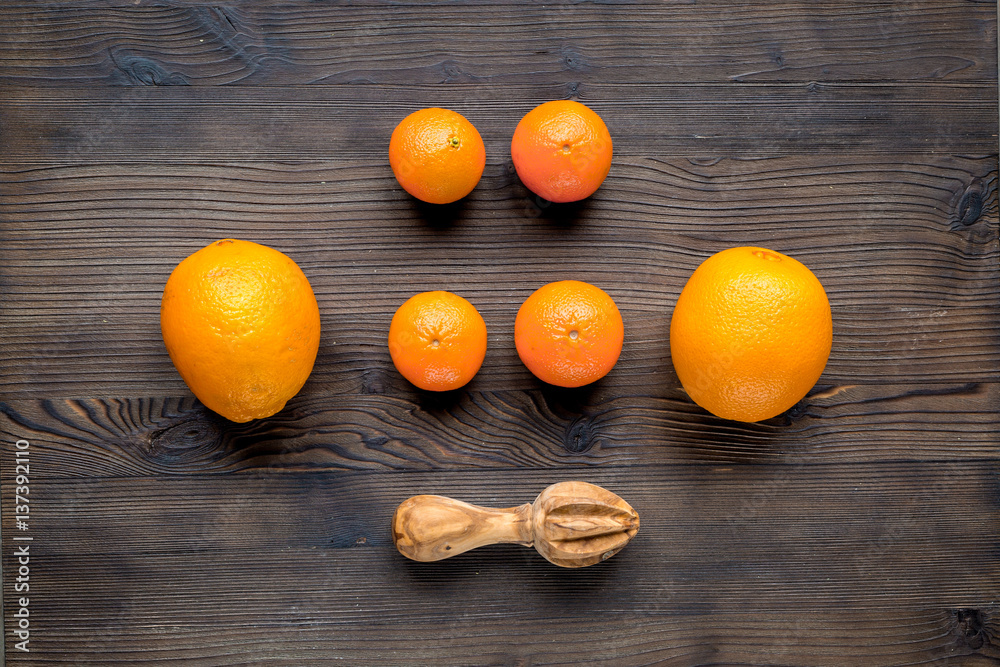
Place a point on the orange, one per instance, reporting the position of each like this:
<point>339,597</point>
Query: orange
<point>437,340</point>
<point>241,324</point>
<point>750,334</point>
<point>437,155</point>
<point>569,333</point>
<point>561,151</point>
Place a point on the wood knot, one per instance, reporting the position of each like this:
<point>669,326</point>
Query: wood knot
<point>189,439</point>
<point>796,412</point>
<point>349,535</point>
<point>970,207</point>
<point>970,627</point>
<point>142,71</point>
<point>373,382</point>
<point>573,60</point>
<point>453,72</point>
<point>580,435</point>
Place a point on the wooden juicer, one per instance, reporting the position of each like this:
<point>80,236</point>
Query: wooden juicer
<point>571,524</point>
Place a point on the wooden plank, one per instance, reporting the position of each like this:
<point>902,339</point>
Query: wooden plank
<point>859,528</point>
<point>889,639</point>
<point>545,429</point>
<point>907,248</point>
<point>795,531</point>
<point>883,638</point>
<point>153,569</point>
<point>185,124</point>
<point>257,43</point>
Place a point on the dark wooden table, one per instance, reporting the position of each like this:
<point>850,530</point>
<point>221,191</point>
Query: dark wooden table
<point>860,528</point>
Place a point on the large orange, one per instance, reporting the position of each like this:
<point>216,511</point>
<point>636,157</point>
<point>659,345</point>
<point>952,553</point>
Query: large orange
<point>437,340</point>
<point>561,151</point>
<point>569,333</point>
<point>437,155</point>
<point>241,324</point>
<point>750,334</point>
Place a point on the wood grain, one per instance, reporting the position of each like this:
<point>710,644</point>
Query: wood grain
<point>888,533</point>
<point>545,429</point>
<point>380,43</point>
<point>907,249</point>
<point>723,567</point>
<point>859,529</point>
<point>184,124</point>
<point>884,638</point>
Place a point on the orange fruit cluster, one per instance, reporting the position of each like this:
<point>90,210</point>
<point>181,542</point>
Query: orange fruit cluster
<point>749,336</point>
<point>567,333</point>
<point>560,149</point>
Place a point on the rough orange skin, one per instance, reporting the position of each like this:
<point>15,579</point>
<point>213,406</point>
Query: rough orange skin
<point>569,333</point>
<point>751,333</point>
<point>437,341</point>
<point>437,155</point>
<point>561,151</point>
<point>241,324</point>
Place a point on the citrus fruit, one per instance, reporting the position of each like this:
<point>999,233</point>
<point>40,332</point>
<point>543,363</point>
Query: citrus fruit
<point>561,151</point>
<point>241,324</point>
<point>569,333</point>
<point>437,155</point>
<point>437,340</point>
<point>750,334</point>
